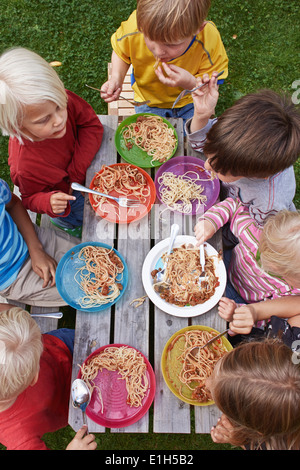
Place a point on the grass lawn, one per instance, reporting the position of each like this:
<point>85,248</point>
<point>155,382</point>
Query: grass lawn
<point>261,38</point>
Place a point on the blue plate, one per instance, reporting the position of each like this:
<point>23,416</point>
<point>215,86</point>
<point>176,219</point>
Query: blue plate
<point>70,290</point>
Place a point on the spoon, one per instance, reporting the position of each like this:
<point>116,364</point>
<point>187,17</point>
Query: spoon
<point>174,232</point>
<point>81,396</point>
<point>196,349</point>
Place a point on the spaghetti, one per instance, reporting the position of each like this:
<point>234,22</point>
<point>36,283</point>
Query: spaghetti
<point>195,368</point>
<point>179,191</point>
<point>97,278</point>
<point>151,134</point>
<point>129,364</point>
<point>182,277</point>
<point>123,180</point>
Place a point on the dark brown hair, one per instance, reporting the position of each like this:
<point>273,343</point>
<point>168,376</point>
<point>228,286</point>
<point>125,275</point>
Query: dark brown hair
<point>257,137</point>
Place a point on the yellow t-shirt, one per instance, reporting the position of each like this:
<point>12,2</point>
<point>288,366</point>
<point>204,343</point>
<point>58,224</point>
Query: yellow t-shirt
<point>205,54</point>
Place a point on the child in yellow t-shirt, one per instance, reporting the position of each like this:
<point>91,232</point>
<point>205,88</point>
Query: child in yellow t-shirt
<point>169,44</point>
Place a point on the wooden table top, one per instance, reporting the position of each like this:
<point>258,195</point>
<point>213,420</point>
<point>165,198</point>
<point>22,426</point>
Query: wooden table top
<point>146,328</point>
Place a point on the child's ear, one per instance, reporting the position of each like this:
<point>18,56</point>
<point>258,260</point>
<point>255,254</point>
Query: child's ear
<point>34,381</point>
<point>202,27</point>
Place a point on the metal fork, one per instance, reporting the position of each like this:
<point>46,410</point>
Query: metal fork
<point>202,263</point>
<point>122,201</point>
<point>186,92</point>
<point>135,103</point>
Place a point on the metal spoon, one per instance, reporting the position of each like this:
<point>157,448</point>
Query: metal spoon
<point>81,396</point>
<point>174,232</point>
<point>195,350</point>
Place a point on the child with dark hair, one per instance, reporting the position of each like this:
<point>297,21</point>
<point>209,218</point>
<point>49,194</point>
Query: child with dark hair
<point>251,147</point>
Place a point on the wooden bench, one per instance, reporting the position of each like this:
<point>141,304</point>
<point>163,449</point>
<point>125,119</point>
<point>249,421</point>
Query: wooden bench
<point>45,324</point>
<point>121,107</point>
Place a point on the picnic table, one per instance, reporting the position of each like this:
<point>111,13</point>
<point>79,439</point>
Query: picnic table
<point>146,328</point>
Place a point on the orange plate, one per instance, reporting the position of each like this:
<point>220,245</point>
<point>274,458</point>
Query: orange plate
<point>124,215</point>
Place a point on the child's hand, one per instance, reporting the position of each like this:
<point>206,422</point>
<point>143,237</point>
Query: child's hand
<point>174,76</point>
<point>226,308</point>
<point>59,202</point>
<point>82,441</point>
<point>110,90</point>
<point>243,320</point>
<point>206,98</point>
<point>222,432</point>
<point>204,230</point>
<point>43,265</point>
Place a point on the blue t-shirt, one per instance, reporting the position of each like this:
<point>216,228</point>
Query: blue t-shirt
<point>13,249</point>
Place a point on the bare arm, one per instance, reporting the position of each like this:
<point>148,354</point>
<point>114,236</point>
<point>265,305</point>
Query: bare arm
<point>110,90</point>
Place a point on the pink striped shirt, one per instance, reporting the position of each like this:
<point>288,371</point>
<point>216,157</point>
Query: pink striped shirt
<point>250,281</point>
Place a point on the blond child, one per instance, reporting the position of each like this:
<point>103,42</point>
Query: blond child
<point>257,388</point>
<point>265,262</point>
<point>278,254</point>
<point>54,136</point>
<point>169,43</point>
<point>251,147</point>
<point>35,378</point>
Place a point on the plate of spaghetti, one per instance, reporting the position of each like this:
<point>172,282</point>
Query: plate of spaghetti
<point>185,374</point>
<point>91,276</point>
<point>185,186</point>
<point>119,180</point>
<point>146,140</point>
<point>122,385</point>
<point>183,296</point>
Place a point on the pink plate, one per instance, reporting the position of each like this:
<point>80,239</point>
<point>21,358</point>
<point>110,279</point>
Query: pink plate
<point>116,412</point>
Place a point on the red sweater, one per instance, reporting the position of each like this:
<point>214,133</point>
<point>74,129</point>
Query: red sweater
<point>41,168</point>
<point>44,407</point>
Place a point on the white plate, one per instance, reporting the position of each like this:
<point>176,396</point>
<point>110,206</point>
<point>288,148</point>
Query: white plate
<point>153,261</point>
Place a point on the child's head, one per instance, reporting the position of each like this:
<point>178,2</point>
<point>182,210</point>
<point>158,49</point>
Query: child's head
<point>27,83</point>
<point>279,246</point>
<point>20,348</point>
<point>171,21</point>
<point>257,386</point>
<point>257,137</point>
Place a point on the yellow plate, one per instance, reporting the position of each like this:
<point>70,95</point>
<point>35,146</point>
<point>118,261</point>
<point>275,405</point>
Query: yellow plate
<point>165,362</point>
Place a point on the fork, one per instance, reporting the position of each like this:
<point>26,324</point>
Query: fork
<point>202,262</point>
<point>160,276</point>
<point>122,201</point>
<point>135,103</point>
<point>185,92</point>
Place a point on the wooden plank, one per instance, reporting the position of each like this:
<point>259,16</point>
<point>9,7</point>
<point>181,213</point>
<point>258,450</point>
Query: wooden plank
<point>171,415</point>
<point>90,333</point>
<point>132,324</point>
<point>206,416</point>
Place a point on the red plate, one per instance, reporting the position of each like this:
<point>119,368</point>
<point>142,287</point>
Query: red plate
<point>116,412</point>
<point>123,215</point>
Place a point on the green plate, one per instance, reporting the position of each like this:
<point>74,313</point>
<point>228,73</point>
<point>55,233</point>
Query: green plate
<point>135,155</point>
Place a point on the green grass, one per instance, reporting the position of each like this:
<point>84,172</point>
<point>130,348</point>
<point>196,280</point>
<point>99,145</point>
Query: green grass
<point>264,54</point>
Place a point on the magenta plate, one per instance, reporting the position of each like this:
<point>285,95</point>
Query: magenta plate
<point>179,166</point>
<point>116,412</point>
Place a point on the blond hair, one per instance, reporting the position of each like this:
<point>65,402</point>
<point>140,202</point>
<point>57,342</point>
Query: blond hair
<point>25,79</point>
<point>279,245</point>
<point>257,386</point>
<point>21,348</point>
<point>169,21</point>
